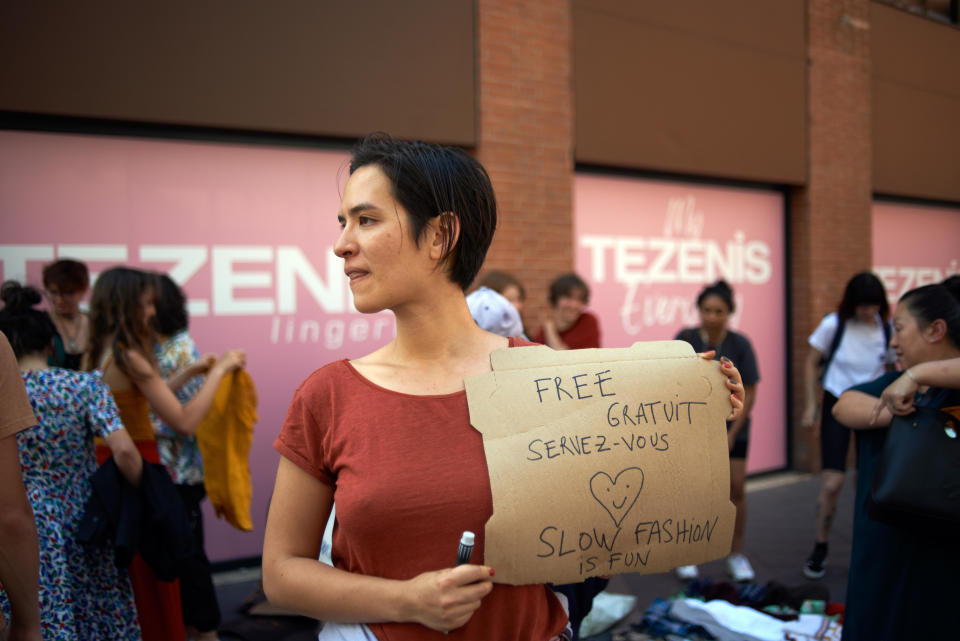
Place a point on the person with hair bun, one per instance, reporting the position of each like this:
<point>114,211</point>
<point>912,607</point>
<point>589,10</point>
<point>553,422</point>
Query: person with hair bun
<point>847,348</point>
<point>903,580</point>
<point>715,304</point>
<point>83,595</point>
<point>952,283</point>
<point>122,347</point>
<point>65,282</point>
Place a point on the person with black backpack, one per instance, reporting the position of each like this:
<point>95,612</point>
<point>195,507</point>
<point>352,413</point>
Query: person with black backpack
<point>848,347</point>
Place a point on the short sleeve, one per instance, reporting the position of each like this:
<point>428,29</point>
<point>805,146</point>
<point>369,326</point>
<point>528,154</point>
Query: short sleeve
<point>100,409</point>
<point>301,436</point>
<point>749,370</point>
<point>822,336</point>
<point>15,411</point>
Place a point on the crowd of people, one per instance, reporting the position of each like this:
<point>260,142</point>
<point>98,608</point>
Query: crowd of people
<point>125,387</point>
<point>88,385</point>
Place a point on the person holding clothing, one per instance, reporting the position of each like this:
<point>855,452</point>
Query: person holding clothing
<point>388,435</point>
<point>182,366</point>
<point>18,531</point>
<point>122,347</point>
<point>65,283</point>
<point>715,305</point>
<point>849,347</point>
<point>569,325</point>
<point>83,595</point>
<point>902,581</point>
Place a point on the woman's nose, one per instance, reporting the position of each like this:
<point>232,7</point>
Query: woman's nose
<point>345,245</point>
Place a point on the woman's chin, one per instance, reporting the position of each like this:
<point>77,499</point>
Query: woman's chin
<point>367,307</point>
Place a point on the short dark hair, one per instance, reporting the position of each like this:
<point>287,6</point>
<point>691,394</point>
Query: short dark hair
<point>429,180</point>
<point>931,302</point>
<point>863,289</point>
<point>71,275</point>
<point>171,306</point>
<point>565,284</point>
<point>29,330</point>
<point>499,281</point>
<point>721,290</point>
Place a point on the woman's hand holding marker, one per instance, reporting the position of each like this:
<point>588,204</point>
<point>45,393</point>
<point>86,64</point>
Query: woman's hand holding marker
<point>446,599</point>
<point>734,382</point>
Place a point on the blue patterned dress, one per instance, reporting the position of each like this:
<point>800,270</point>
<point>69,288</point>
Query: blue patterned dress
<point>83,596</point>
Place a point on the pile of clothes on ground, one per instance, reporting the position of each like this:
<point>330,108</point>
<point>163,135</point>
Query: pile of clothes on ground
<point>724,611</point>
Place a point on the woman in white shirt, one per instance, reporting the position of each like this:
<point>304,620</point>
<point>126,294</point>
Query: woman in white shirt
<point>849,347</point>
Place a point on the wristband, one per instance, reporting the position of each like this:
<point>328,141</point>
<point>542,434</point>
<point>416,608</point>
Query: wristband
<point>911,376</point>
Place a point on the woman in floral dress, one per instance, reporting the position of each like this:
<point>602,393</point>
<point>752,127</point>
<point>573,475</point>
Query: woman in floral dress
<point>83,596</point>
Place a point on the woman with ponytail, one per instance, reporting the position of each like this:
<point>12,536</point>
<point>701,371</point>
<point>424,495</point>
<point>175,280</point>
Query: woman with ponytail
<point>83,596</point>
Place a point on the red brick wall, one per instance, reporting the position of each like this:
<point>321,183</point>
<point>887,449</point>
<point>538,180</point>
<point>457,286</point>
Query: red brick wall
<point>526,138</point>
<point>830,216</point>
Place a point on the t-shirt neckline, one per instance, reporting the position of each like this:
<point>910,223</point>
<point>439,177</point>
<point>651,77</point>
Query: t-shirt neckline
<point>512,342</point>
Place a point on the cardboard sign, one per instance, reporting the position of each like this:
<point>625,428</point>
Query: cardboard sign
<point>603,461</point>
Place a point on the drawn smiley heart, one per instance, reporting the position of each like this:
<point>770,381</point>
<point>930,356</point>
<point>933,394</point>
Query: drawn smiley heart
<point>617,495</point>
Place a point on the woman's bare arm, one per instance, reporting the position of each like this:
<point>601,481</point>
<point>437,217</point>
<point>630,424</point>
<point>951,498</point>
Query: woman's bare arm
<point>19,559</point>
<point>856,411</point>
<point>294,579</point>
<point>811,367</point>
<point>898,395</point>
<point>750,395</point>
<point>126,456</point>
<point>180,378</point>
<point>184,419</point>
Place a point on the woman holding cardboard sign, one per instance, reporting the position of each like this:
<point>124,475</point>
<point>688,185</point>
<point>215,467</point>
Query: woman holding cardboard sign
<point>388,435</point>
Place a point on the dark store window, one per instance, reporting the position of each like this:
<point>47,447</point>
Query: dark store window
<point>941,10</point>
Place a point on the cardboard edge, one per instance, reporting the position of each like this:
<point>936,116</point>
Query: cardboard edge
<point>528,356</point>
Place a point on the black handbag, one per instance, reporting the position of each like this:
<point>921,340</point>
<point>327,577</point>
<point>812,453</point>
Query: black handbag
<point>917,480</point>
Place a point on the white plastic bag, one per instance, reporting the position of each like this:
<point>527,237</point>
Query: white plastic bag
<point>607,610</point>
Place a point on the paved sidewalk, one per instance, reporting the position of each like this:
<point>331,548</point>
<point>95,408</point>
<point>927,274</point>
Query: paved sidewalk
<point>779,536</point>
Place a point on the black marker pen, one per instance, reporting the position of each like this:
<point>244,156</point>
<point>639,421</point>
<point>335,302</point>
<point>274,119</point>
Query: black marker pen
<point>466,548</point>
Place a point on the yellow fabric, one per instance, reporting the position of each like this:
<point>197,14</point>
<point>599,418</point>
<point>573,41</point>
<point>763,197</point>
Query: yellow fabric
<point>224,437</point>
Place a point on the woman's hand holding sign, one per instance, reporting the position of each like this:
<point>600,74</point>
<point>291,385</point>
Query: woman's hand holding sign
<point>734,382</point>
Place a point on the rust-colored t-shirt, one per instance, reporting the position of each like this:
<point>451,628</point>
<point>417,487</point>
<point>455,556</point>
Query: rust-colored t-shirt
<point>15,411</point>
<point>583,334</point>
<point>409,476</point>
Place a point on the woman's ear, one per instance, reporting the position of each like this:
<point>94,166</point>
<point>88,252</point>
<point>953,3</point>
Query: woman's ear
<point>446,232</point>
<point>935,331</point>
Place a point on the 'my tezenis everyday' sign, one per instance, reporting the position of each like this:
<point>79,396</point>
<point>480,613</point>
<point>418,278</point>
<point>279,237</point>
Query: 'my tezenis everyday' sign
<point>603,461</point>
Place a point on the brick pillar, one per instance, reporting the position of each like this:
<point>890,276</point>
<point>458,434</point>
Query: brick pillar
<point>525,138</point>
<point>830,217</point>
